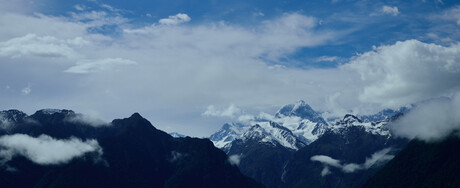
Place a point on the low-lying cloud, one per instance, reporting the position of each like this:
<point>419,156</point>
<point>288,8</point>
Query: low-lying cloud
<point>376,158</point>
<point>45,150</point>
<point>430,121</point>
<point>234,159</point>
<point>87,119</point>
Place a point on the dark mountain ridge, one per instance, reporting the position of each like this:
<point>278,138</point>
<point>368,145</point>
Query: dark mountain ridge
<point>134,154</point>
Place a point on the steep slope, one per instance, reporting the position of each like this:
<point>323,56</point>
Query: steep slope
<point>422,164</point>
<point>133,154</point>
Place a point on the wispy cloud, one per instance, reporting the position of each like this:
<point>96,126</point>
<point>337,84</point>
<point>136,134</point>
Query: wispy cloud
<point>87,119</point>
<point>42,46</point>
<point>390,10</point>
<point>98,65</point>
<point>231,111</point>
<point>376,158</point>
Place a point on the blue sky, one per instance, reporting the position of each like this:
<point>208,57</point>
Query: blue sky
<point>173,61</point>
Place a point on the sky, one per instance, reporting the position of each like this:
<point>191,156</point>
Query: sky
<point>191,66</point>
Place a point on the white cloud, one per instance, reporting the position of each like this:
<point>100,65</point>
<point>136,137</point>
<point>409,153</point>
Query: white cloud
<point>407,72</point>
<point>45,150</point>
<point>79,7</point>
<point>326,160</point>
<point>94,19</point>
<point>327,59</point>
<point>87,119</point>
<point>98,65</point>
<point>430,121</point>
<point>231,111</point>
<point>376,158</point>
<point>176,19</point>
<point>26,90</point>
<point>390,10</point>
<point>45,46</point>
<point>326,171</point>
<point>451,14</point>
<point>234,159</point>
<point>178,67</point>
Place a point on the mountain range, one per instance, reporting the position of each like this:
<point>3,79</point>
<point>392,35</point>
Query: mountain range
<point>295,147</point>
<point>280,150</point>
<point>60,148</point>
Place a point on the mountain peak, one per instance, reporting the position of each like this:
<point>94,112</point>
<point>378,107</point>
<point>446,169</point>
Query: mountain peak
<point>49,111</point>
<point>136,115</point>
<point>300,109</point>
<point>12,115</point>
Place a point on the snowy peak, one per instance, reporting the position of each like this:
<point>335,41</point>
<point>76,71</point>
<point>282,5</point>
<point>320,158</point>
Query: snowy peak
<point>12,115</point>
<point>228,133</point>
<point>54,111</point>
<point>176,135</point>
<point>300,109</point>
<point>349,120</point>
<point>385,114</point>
<point>273,133</point>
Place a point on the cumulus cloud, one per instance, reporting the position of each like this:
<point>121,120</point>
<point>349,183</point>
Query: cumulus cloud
<point>430,121</point>
<point>42,46</point>
<point>176,19</point>
<point>231,111</point>
<point>98,65</point>
<point>234,159</point>
<point>45,150</point>
<point>376,158</point>
<point>390,10</point>
<point>408,72</point>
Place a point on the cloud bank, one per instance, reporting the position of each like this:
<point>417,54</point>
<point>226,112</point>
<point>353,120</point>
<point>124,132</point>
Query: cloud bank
<point>45,150</point>
<point>431,120</point>
<point>408,72</point>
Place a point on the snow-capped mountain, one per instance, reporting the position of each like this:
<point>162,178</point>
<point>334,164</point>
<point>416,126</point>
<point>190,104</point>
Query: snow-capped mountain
<point>228,133</point>
<point>293,126</point>
<point>300,123</point>
<point>274,134</point>
<point>373,127</point>
<point>270,147</point>
<point>177,135</point>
